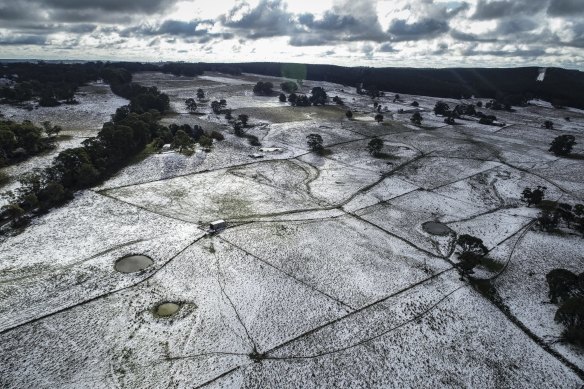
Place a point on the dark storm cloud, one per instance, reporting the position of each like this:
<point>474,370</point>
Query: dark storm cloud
<point>329,22</point>
<point>141,6</point>
<point>387,48</point>
<point>22,40</point>
<point>529,53</point>
<point>566,7</point>
<point>467,37</point>
<point>269,18</point>
<point>170,27</point>
<point>104,11</point>
<point>488,10</point>
<point>402,30</point>
<point>516,25</point>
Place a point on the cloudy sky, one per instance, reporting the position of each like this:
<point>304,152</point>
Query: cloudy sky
<point>414,33</point>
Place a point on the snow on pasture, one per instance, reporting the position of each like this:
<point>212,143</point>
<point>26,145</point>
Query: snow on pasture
<point>324,273</point>
<point>68,256</point>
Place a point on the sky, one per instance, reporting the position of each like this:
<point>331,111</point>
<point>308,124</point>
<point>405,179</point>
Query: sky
<point>407,33</point>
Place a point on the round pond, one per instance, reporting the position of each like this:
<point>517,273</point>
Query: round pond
<point>436,228</point>
<point>133,264</point>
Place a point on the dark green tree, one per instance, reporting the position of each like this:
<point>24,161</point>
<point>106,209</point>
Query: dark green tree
<point>534,196</point>
<point>315,143</point>
<point>416,118</point>
<point>191,105</point>
<point>374,147</point>
<point>562,145</point>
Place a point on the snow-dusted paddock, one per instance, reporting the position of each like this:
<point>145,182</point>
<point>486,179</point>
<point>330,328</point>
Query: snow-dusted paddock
<point>96,105</point>
<point>325,276</point>
<point>68,256</point>
<point>269,187</point>
<point>348,259</point>
<point>523,287</point>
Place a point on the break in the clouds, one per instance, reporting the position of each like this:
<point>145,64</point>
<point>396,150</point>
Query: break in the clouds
<point>438,33</point>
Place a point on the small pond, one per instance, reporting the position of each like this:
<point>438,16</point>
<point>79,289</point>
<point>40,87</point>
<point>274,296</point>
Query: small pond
<point>133,264</point>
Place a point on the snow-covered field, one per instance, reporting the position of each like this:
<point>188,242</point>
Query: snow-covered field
<point>324,277</point>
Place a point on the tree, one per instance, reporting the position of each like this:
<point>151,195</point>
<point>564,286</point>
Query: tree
<point>561,283</point>
<point>314,142</point>
<point>318,96</point>
<point>16,214</point>
<point>562,145</point>
<point>200,94</point>
<point>374,147</point>
<point>191,105</point>
<point>415,104</point>
<point>548,124</point>
<point>263,88</point>
<point>216,107</point>
<point>416,118</point>
<point>243,118</point>
<point>571,315</point>
<point>548,221</point>
<point>441,108</point>
<point>182,141</point>
<point>289,86</point>
<point>349,114</point>
<point>238,129</point>
<point>396,98</point>
<point>379,118</point>
<point>471,244</point>
<point>292,98</point>
<point>282,98</point>
<point>535,196</point>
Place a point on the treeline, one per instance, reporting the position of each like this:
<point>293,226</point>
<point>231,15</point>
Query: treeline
<point>512,86</point>
<point>54,83</point>
<point>132,127</point>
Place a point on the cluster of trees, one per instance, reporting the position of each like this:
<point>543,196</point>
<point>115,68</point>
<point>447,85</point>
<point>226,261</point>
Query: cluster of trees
<point>19,141</point>
<point>567,290</point>
<point>472,254</point>
<point>372,91</point>
<point>132,127</point>
<point>553,214</point>
<point>533,196</point>
<point>562,145</point>
<point>263,88</point>
<point>443,109</point>
<point>219,107</point>
<point>238,129</point>
<point>318,96</point>
<point>50,84</point>
<point>184,137</point>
